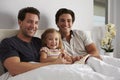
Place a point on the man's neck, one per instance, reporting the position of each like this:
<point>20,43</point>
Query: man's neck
<point>24,38</point>
<point>67,36</point>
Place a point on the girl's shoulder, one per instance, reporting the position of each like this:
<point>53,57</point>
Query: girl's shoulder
<point>44,49</point>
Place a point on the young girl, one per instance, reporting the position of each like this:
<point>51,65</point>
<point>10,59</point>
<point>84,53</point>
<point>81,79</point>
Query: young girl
<point>52,46</point>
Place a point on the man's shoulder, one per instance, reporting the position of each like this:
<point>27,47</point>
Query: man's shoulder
<point>8,39</point>
<point>36,39</point>
<point>78,32</point>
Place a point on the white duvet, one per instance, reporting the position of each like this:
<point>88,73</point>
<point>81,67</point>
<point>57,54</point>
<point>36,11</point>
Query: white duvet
<point>72,72</point>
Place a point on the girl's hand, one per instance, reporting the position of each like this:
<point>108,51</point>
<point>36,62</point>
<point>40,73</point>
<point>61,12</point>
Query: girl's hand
<point>61,60</point>
<point>66,56</point>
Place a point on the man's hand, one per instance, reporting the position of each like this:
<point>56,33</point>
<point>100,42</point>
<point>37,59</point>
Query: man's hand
<point>76,58</point>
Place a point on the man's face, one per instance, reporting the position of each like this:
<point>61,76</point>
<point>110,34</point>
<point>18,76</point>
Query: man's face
<point>29,25</point>
<point>65,23</point>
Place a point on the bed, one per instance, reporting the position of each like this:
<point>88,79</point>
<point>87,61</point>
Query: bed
<point>65,71</point>
<point>60,72</point>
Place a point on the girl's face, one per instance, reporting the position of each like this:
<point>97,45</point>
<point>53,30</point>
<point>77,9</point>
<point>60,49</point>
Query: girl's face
<point>52,40</point>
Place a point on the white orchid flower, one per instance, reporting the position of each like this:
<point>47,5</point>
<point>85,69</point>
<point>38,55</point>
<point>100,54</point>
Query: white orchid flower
<point>106,42</point>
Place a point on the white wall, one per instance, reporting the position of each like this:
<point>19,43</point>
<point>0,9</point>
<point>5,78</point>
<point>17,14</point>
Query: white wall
<point>83,10</point>
<point>115,18</point>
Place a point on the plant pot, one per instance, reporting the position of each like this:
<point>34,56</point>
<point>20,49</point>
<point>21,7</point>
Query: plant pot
<point>108,54</point>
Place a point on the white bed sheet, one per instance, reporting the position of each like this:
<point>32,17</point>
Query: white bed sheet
<point>59,72</point>
<point>67,72</point>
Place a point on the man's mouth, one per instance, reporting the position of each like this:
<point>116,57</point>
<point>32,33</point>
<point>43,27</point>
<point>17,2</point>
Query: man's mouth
<point>31,30</point>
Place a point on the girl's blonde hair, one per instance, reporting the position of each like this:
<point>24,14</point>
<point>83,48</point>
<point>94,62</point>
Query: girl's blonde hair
<point>51,30</point>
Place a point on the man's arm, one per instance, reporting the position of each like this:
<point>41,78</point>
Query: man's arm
<point>14,66</point>
<point>91,49</point>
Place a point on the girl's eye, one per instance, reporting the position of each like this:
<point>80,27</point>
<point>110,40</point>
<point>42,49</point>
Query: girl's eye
<point>56,39</point>
<point>50,38</point>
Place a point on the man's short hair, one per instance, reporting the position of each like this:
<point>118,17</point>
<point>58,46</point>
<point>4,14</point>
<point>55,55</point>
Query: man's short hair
<point>22,12</point>
<point>64,11</point>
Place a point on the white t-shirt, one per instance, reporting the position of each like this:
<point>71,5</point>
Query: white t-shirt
<point>79,39</point>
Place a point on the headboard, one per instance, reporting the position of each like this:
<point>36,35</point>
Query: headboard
<point>4,33</point>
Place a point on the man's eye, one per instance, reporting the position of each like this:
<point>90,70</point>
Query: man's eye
<point>36,23</point>
<point>69,21</point>
<point>62,20</point>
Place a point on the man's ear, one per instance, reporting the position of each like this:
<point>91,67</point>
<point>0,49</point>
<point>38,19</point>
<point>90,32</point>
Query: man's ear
<point>57,24</point>
<point>19,22</point>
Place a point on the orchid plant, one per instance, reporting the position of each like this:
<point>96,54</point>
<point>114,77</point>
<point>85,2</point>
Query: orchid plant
<point>106,42</point>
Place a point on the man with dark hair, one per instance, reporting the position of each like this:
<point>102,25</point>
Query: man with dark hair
<point>18,51</point>
<point>76,42</point>
<point>79,44</point>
